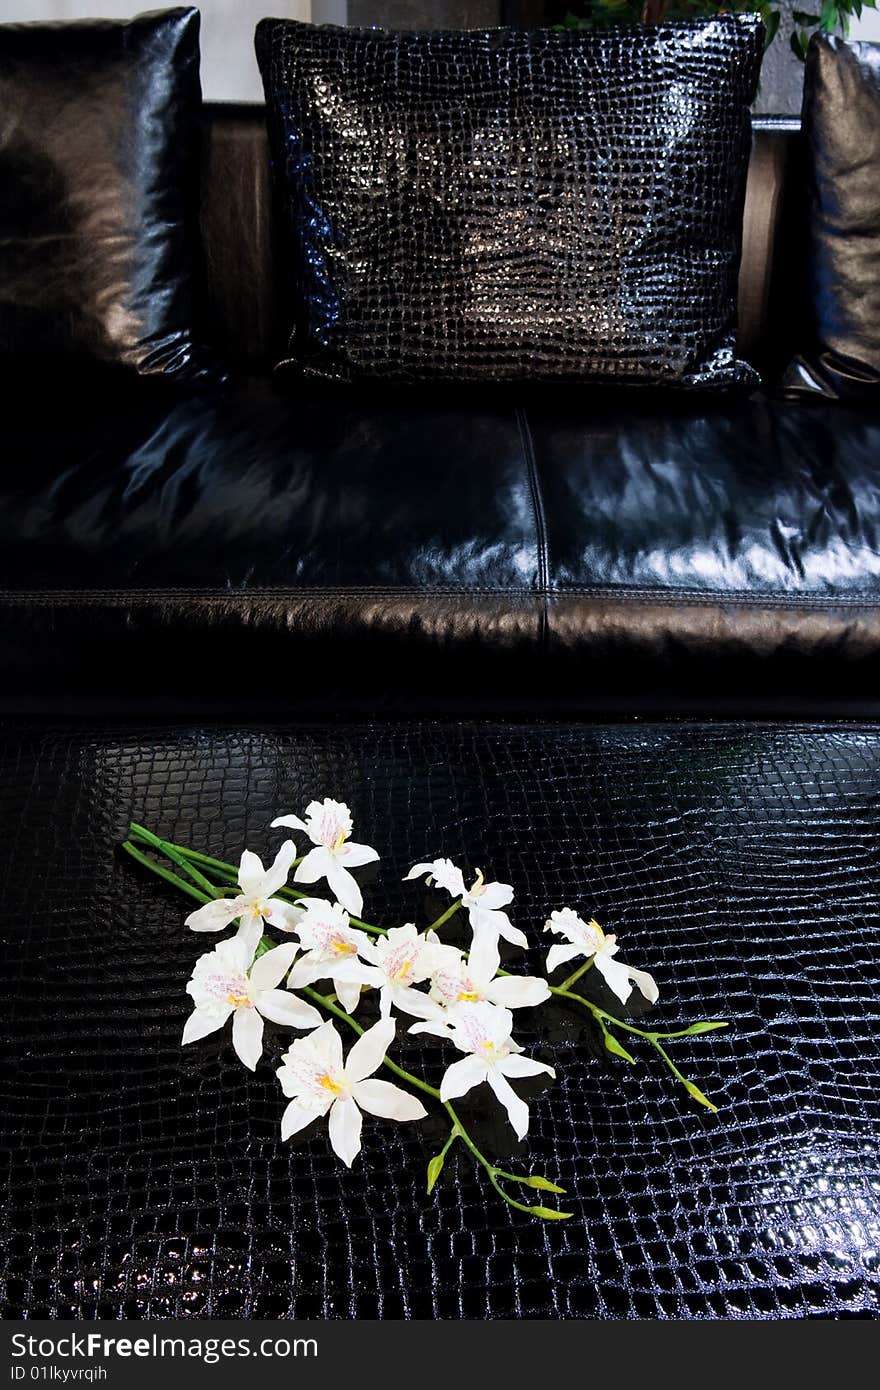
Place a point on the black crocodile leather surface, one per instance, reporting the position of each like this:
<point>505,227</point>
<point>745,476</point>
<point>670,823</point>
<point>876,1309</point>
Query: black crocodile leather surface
<point>739,863</point>
<point>503,205</point>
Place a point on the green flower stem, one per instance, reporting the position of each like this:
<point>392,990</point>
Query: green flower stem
<point>651,1036</point>
<point>230,872</point>
<point>171,852</point>
<point>165,873</point>
<point>576,975</point>
<point>444,917</point>
<point>186,858</point>
<point>458,1130</point>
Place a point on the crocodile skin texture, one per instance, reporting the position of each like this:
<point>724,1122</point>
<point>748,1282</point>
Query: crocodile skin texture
<point>505,205</point>
<point>739,863</point>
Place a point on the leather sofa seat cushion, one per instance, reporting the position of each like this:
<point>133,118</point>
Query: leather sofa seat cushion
<point>527,545</point>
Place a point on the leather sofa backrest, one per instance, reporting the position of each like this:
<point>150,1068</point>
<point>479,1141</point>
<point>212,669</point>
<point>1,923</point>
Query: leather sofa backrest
<point>245,299</point>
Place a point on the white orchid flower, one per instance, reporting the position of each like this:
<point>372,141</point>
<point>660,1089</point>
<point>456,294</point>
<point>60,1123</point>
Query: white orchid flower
<point>482,901</point>
<point>331,950</point>
<point>483,1032</point>
<point>255,903</point>
<point>405,958</point>
<point>221,985</point>
<point>456,982</point>
<point>588,939</point>
<point>328,825</point>
<point>315,1079</point>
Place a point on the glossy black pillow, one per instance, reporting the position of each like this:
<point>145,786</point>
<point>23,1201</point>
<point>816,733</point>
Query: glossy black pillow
<point>98,190</point>
<point>515,205</point>
<point>841,123</point>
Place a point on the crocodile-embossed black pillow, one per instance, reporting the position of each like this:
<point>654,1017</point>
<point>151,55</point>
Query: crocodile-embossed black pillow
<point>504,205</point>
<point>99,190</point>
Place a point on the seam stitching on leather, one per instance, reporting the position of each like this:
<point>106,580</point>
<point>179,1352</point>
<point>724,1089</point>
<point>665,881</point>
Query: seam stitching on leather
<point>669,598</point>
<point>528,448</point>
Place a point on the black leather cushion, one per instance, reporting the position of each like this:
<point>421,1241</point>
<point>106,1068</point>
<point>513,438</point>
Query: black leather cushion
<point>98,180</point>
<point>476,549</point>
<point>739,863</point>
<point>842,127</point>
<point>504,205</point>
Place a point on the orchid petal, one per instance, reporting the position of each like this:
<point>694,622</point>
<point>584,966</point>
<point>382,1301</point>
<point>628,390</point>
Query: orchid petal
<point>306,972</point>
<point>250,931</point>
<point>276,876</point>
<point>495,895</point>
<point>615,975</point>
<point>295,1118</point>
<point>214,916</point>
<point>438,1027</point>
<point>247,1036</point>
<point>348,993</point>
<point>418,871</point>
<point>345,1130</point>
<point>290,822</point>
<point>558,955</point>
<point>313,866</point>
<point>251,874</point>
<point>287,1009</point>
<point>368,1053</point>
<point>387,1101</point>
<point>646,984</point>
<point>283,916</point>
<point>357,855</point>
<point>270,969</point>
<point>200,1023</point>
<point>345,887</point>
<point>517,1065</point>
<point>517,1110</point>
<point>484,959</point>
<point>462,1076</point>
<point>518,991</point>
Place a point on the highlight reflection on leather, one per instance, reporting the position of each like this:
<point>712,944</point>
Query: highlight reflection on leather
<point>842,128</point>
<point>706,546</point>
<point>97,181</point>
<point>738,861</point>
<point>508,205</point>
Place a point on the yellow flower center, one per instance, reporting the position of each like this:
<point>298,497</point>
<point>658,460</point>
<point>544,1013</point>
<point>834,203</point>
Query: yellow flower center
<point>329,1084</point>
<point>344,948</point>
<point>237,1000</point>
<point>471,996</point>
<point>339,841</point>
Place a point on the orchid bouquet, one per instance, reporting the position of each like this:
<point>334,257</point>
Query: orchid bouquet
<point>421,983</point>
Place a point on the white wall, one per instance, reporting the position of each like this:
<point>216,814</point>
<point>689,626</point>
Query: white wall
<point>868,27</point>
<point>229,69</point>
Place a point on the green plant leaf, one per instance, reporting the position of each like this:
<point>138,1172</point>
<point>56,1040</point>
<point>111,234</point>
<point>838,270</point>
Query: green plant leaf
<point>829,18</point>
<point>707,1026</point>
<point>771,25</point>
<point>614,1046</point>
<point>697,1094</point>
<point>549,1215</point>
<point>435,1168</point>
<point>803,18</point>
<point>544,1184</point>
<point>799,43</point>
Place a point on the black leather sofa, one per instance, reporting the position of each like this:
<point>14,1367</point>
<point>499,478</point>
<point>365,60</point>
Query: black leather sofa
<point>551,551</point>
<point>665,612</point>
